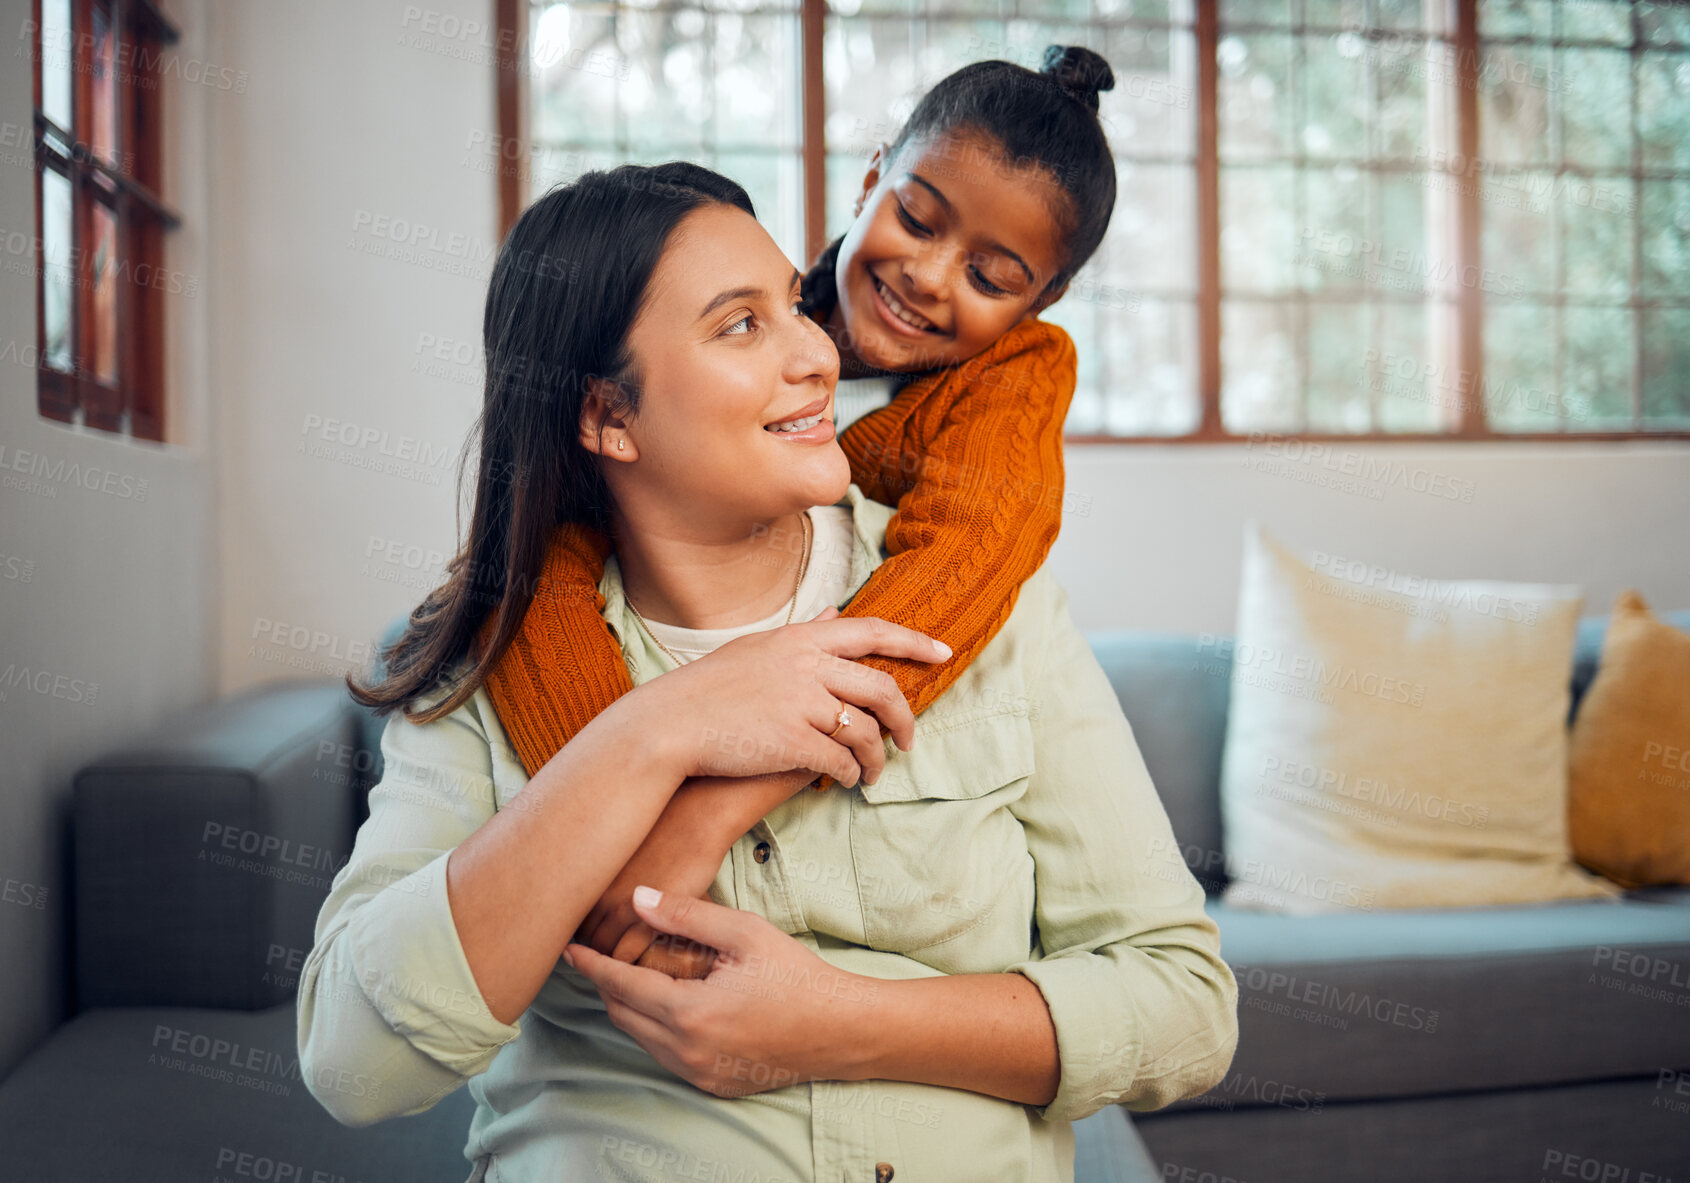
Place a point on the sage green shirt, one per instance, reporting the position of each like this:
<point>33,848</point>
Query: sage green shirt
<point>1022,833</point>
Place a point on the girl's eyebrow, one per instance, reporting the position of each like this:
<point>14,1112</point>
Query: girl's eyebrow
<point>991,244</point>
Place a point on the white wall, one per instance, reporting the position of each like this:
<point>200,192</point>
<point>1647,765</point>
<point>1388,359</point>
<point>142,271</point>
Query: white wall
<point>1159,544</point>
<point>355,135</point>
<point>114,625</point>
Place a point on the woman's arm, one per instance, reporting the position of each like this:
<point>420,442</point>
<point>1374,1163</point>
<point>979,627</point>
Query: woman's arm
<point>1126,1001</point>
<point>774,1012</point>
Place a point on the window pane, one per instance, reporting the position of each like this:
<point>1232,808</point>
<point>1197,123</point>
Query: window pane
<point>667,98</point>
<point>1666,238</point>
<point>1666,366</point>
<point>1595,107</point>
<point>1663,109</point>
<point>103,125</point>
<point>1516,18</point>
<point>57,51</point>
<point>750,51</point>
<point>1520,388</point>
<point>1151,234</point>
<point>1151,351</point>
<point>1153,108</point>
<point>1597,349</point>
<point>1337,390</point>
<point>576,68</point>
<point>1514,89</point>
<point>1596,20</point>
<point>1519,236</point>
<point>773,182</point>
<point>104,280</point>
<point>1664,24</point>
<point>1261,386</point>
<point>1256,115</point>
<point>1596,237</point>
<point>1258,234</point>
<point>1335,97</point>
<point>1255,12</point>
<point>57,280</point>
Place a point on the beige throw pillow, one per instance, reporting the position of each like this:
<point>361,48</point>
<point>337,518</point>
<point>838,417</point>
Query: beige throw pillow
<point>1396,742</point>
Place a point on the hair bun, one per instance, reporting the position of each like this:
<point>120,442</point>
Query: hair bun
<point>1079,72</point>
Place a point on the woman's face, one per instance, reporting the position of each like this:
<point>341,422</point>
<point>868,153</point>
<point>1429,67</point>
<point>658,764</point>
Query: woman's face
<point>950,250</point>
<point>723,356</point>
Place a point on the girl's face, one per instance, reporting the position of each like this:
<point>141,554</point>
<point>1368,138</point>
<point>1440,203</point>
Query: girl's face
<point>950,250</point>
<point>722,354</point>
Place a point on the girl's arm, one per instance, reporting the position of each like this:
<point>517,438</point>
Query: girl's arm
<point>972,458</point>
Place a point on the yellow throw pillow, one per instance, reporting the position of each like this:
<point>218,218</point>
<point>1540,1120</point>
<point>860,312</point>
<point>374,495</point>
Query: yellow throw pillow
<point>1629,760</point>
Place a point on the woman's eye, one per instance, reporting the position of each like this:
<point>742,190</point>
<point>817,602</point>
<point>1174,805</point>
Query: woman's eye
<point>798,307</point>
<point>730,331</point>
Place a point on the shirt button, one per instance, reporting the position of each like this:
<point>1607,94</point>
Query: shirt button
<point>882,1172</point>
<point>761,853</point>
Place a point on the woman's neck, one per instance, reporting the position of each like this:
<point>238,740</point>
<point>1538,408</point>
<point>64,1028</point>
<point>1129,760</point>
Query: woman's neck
<point>678,574</point>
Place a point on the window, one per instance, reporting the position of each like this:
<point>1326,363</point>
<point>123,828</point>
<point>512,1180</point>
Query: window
<point>100,222</point>
<point>1403,219</point>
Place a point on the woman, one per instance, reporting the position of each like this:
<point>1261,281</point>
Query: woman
<point>931,974</point>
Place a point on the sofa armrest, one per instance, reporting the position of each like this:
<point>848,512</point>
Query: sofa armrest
<point>201,858</point>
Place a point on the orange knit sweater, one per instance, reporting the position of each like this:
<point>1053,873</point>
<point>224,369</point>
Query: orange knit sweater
<point>972,457</point>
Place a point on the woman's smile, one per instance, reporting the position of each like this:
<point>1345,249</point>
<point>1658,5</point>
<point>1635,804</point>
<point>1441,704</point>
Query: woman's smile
<point>811,425</point>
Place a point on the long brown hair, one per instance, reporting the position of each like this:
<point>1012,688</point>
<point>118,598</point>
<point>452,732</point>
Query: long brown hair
<point>568,283</point>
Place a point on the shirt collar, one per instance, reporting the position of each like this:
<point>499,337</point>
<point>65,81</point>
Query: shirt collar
<point>645,660</point>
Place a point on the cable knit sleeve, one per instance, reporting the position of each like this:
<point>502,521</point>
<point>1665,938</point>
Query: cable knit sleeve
<point>972,457</point>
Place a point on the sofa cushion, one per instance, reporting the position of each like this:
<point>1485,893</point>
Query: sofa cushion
<point>1628,791</point>
<point>1398,743</point>
<point>1362,1006</point>
<point>160,1095</point>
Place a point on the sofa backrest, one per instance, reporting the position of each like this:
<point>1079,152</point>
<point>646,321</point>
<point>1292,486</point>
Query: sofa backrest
<point>1174,689</point>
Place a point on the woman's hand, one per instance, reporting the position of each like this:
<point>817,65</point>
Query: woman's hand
<point>769,702</point>
<point>682,854</point>
<point>770,1014</point>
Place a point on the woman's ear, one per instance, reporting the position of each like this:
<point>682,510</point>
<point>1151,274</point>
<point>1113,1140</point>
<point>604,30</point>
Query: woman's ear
<point>871,178</point>
<point>602,431</point>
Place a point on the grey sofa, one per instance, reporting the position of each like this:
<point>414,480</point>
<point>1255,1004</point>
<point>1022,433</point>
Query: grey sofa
<point>1481,1044</point>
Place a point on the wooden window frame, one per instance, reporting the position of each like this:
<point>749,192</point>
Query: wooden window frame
<point>1465,49</point>
<point>129,188</point>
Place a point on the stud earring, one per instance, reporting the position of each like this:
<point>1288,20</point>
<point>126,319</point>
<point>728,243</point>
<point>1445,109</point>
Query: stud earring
<point>620,444</point>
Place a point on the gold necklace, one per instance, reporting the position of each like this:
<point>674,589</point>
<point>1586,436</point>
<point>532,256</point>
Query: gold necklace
<point>803,568</point>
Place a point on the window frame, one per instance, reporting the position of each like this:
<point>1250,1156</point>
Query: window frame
<point>1465,49</point>
<point>132,404</point>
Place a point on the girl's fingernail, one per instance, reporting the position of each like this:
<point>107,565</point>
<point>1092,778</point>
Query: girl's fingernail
<point>944,649</point>
<point>647,897</point>
<point>570,958</point>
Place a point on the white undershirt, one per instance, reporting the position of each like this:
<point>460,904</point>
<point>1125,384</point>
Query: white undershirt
<point>855,397</point>
<point>825,584</point>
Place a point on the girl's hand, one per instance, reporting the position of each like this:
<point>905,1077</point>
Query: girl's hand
<point>770,1014</point>
<point>682,854</point>
<point>768,702</point>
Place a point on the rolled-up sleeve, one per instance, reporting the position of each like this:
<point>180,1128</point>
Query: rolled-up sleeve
<point>390,1017</point>
<point>1145,1009</point>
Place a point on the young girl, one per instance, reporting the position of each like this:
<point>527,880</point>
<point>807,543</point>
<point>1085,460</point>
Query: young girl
<point>995,192</point>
